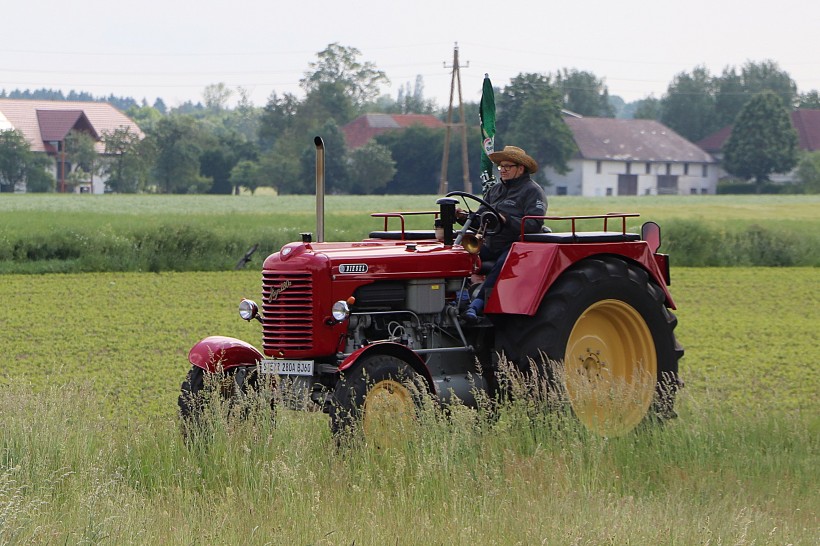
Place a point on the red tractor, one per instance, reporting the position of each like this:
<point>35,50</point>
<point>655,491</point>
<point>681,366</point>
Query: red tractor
<point>358,324</point>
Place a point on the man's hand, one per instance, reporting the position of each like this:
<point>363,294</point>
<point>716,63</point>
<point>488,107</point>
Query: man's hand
<point>461,214</point>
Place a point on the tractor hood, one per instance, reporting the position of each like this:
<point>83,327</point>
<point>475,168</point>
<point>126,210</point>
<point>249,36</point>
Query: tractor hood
<point>375,260</point>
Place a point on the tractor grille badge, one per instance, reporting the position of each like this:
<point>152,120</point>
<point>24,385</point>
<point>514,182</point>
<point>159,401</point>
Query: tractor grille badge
<point>274,292</point>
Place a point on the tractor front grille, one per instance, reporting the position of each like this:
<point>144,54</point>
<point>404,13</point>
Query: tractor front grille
<point>287,311</point>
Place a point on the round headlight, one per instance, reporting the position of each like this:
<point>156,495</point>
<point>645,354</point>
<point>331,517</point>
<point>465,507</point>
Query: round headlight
<point>248,309</point>
<point>340,310</point>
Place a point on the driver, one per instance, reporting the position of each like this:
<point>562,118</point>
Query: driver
<point>517,195</point>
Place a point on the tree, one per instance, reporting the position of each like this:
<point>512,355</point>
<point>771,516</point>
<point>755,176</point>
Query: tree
<point>145,116</point>
<point>179,141</point>
<point>411,101</point>
<point>81,153</point>
<point>511,99</point>
<point>808,172</point>
<point>247,174</point>
<point>809,101</point>
<point>337,174</point>
<point>38,178</point>
<point>126,161</point>
<point>648,108</point>
<point>734,90</point>
<point>371,168</point>
<point>584,93</point>
<point>763,140</point>
<point>539,128</point>
<point>416,151</point>
<point>216,96</point>
<point>689,105</point>
<point>341,65</point>
<point>276,118</point>
<point>328,100</point>
<point>15,155</point>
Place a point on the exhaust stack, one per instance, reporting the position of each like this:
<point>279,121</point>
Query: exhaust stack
<point>320,189</point>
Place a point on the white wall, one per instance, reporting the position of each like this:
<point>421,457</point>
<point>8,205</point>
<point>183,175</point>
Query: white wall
<point>587,179</point>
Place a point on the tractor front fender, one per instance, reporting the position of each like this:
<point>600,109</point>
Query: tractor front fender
<point>397,350</point>
<point>220,353</point>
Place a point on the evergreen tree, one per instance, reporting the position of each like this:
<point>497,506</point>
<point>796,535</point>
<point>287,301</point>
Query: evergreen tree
<point>763,140</point>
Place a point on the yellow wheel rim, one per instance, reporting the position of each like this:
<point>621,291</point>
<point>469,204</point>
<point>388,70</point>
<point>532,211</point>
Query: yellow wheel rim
<point>610,367</point>
<point>389,409</point>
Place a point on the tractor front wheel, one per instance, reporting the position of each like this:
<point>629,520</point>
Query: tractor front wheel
<point>200,388</point>
<point>382,395</point>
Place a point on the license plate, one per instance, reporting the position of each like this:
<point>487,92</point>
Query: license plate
<point>286,367</point>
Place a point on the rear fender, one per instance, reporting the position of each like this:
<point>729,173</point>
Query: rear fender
<point>393,349</point>
<point>531,268</point>
<point>220,353</point>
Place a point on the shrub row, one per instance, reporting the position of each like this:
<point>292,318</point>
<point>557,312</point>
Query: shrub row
<point>181,247</point>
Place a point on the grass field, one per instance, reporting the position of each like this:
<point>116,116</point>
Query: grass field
<point>91,452</point>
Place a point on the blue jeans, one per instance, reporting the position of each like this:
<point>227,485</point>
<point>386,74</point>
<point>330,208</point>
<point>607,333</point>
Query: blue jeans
<point>489,281</point>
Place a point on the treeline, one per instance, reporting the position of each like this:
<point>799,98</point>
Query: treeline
<point>207,147</point>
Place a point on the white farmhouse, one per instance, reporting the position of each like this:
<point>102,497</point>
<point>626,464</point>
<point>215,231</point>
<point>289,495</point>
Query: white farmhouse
<point>632,157</point>
<point>45,125</point>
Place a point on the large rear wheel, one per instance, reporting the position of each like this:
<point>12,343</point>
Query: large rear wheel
<point>381,395</point>
<point>609,344</point>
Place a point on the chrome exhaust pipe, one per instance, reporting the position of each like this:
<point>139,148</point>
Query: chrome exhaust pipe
<point>320,189</point>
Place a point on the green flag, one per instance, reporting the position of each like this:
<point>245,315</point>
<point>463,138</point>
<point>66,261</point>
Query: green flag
<point>486,114</point>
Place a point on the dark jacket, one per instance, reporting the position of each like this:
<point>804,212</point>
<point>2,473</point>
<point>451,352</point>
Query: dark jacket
<point>515,199</point>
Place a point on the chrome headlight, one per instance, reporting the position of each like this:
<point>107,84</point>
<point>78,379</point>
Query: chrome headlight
<point>340,310</point>
<point>248,309</point>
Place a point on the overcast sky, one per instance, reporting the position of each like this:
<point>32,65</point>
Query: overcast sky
<point>172,49</point>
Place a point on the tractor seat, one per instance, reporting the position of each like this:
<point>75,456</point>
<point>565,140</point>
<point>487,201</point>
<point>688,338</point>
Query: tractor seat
<point>582,237</point>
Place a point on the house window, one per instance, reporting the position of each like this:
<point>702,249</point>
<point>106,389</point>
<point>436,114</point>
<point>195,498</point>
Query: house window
<point>704,170</point>
<point>686,168</point>
<point>561,190</point>
<point>609,191</point>
<point>597,167</point>
<point>628,167</point>
<point>668,168</point>
<point>648,168</point>
<point>693,191</point>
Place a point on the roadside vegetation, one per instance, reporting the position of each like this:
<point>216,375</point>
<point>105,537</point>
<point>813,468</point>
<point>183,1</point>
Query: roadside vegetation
<point>92,451</point>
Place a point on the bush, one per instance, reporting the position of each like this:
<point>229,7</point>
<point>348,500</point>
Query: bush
<point>695,244</point>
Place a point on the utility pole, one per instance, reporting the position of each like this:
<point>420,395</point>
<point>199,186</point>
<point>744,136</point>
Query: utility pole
<point>456,77</point>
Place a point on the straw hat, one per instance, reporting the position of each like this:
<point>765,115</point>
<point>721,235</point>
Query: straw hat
<point>514,154</point>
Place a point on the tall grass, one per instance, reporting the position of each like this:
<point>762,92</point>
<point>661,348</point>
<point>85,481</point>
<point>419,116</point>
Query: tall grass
<point>527,476</point>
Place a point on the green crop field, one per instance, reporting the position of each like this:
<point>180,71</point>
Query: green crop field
<point>91,452</point>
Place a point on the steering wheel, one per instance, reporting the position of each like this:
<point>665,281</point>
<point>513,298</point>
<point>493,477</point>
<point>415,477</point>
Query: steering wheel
<point>490,209</point>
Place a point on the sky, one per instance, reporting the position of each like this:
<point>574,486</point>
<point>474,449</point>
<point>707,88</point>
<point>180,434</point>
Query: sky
<point>173,49</point>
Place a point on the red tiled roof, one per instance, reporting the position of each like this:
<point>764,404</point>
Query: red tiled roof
<point>41,120</point>
<point>55,124</point>
<point>359,131</point>
<point>632,140</point>
<point>807,125</point>
<point>805,122</point>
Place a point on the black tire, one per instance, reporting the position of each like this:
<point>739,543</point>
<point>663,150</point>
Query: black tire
<point>602,325</point>
<point>379,396</point>
<point>196,390</point>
